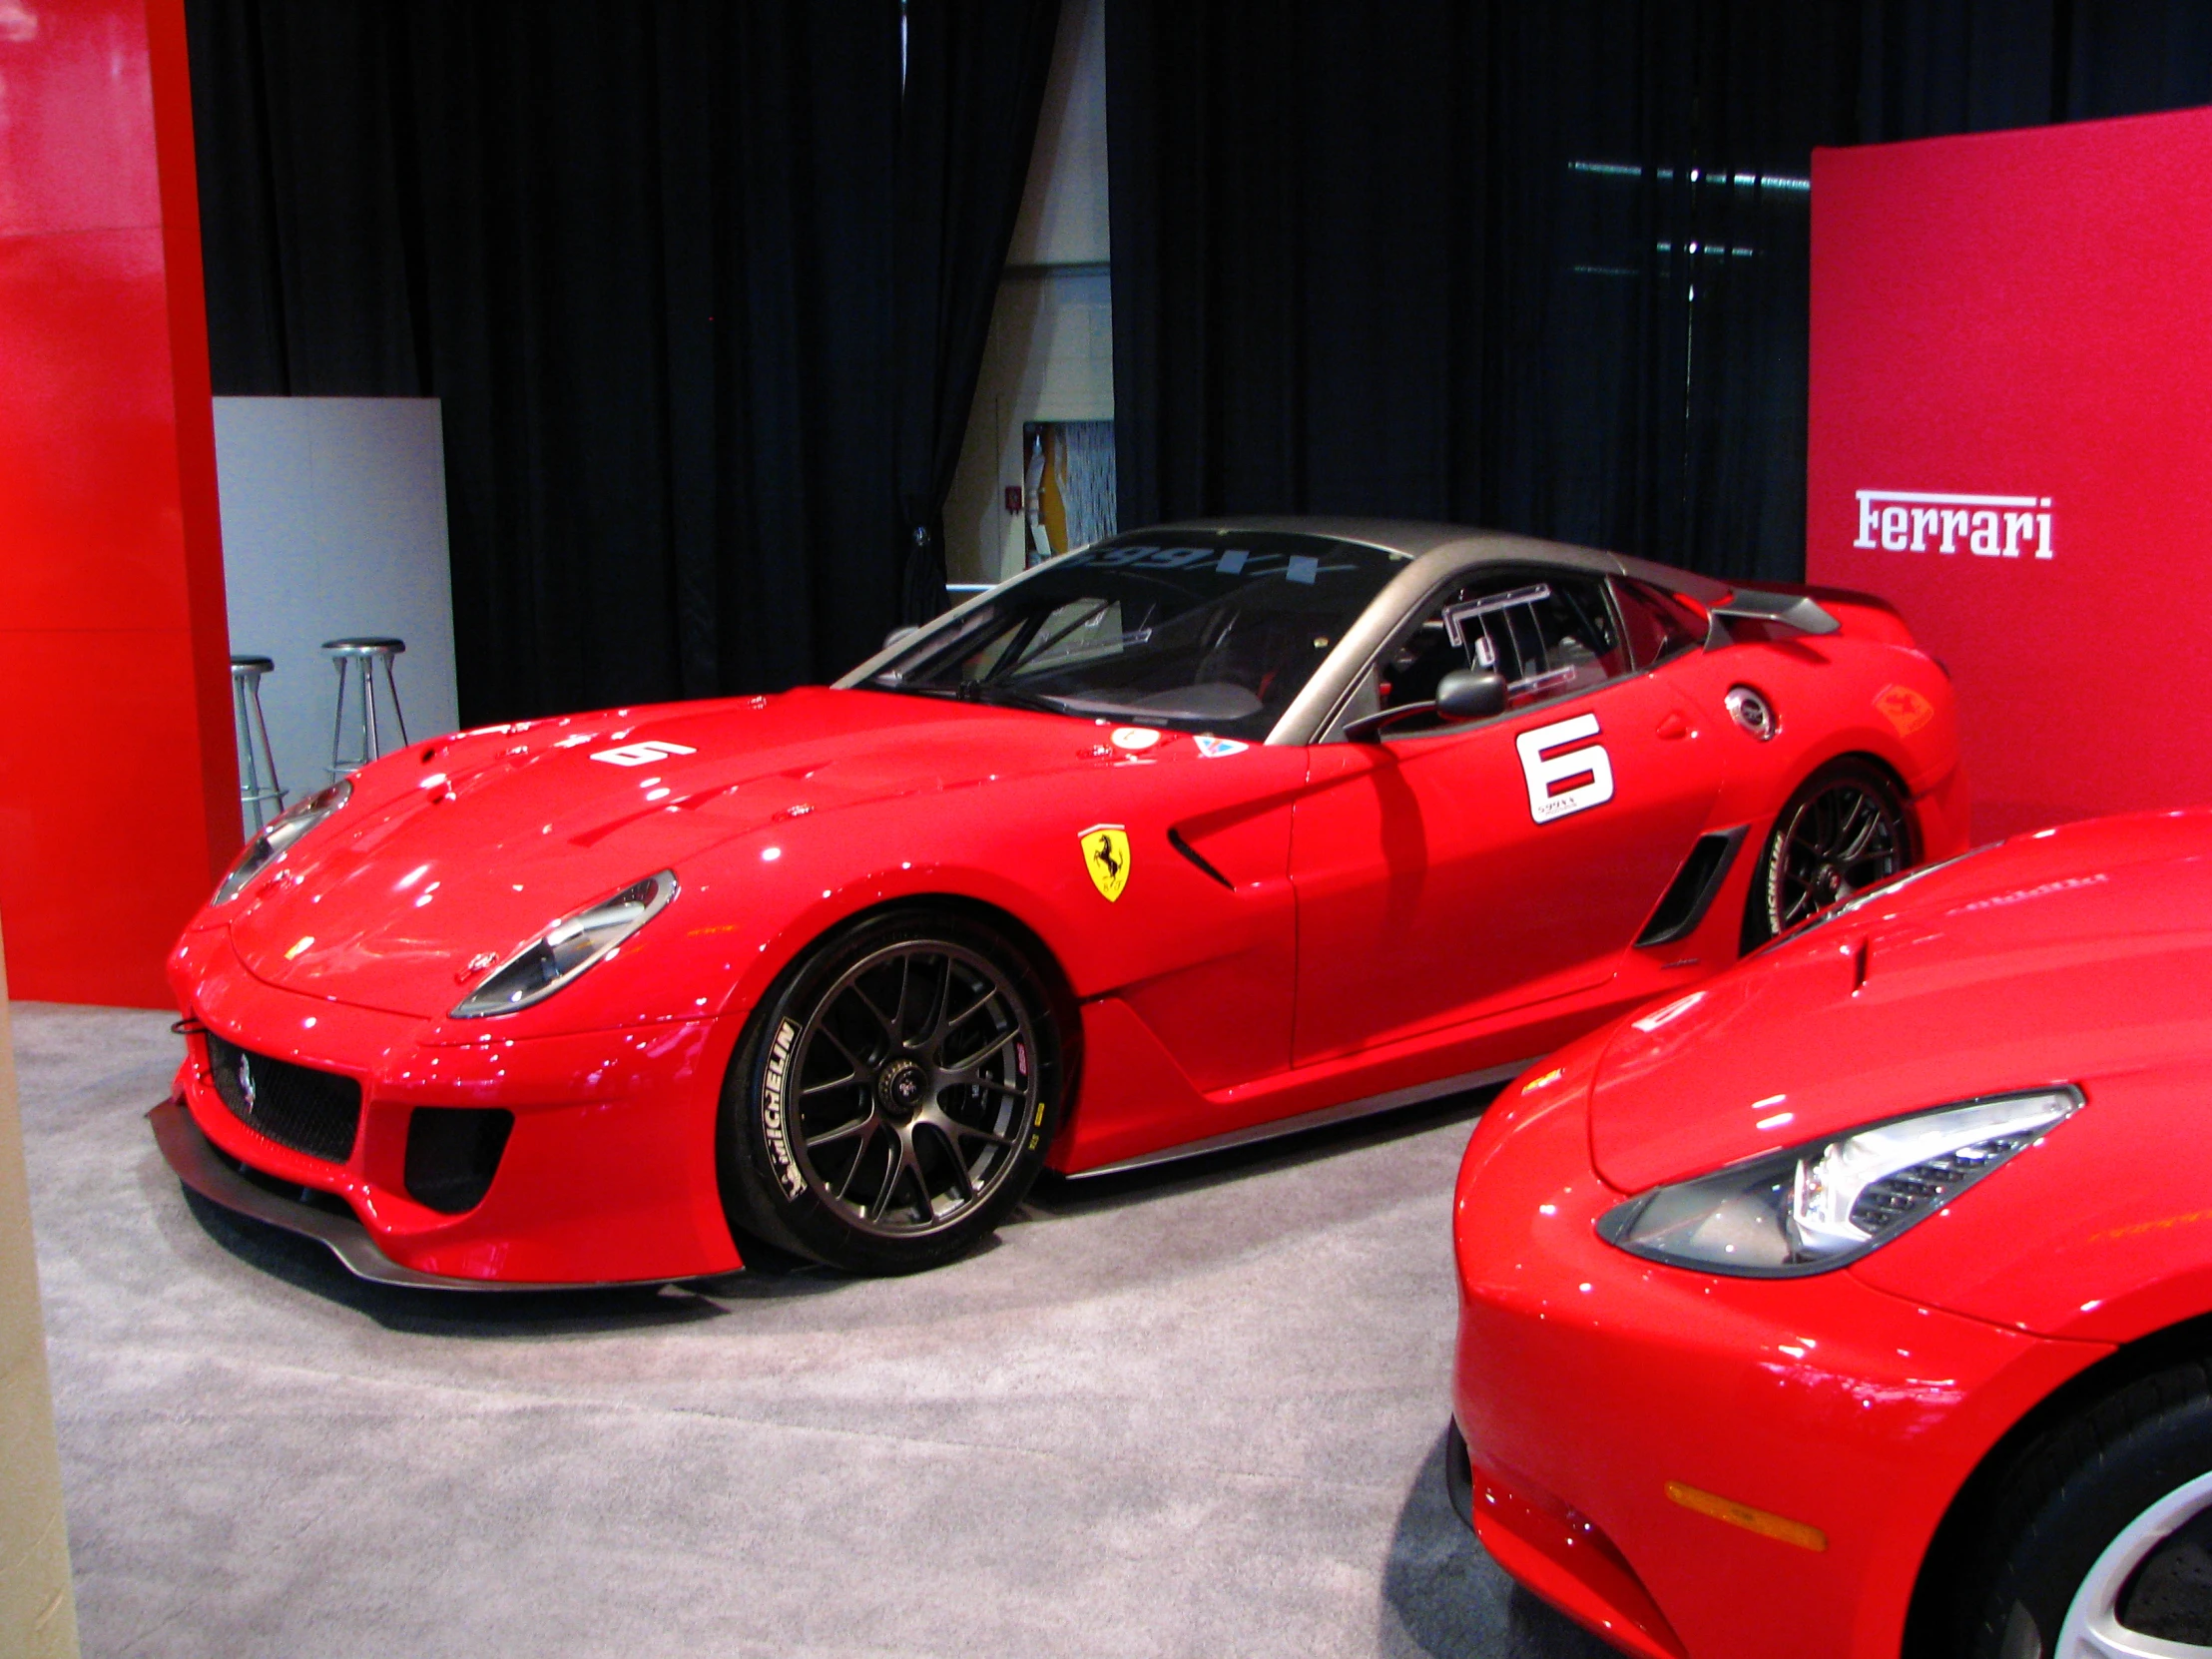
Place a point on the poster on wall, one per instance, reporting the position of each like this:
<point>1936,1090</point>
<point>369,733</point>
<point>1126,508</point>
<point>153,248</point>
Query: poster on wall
<point>1069,484</point>
<point>2011,439</point>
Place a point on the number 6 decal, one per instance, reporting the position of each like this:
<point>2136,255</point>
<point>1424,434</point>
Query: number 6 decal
<point>651,752</point>
<point>1587,772</point>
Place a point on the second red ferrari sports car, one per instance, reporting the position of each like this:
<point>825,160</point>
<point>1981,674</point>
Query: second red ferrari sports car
<point>1192,836</point>
<point>1859,1302</point>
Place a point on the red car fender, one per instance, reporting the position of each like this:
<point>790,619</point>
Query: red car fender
<point>1826,695</point>
<point>1025,859</point>
<point>1889,702</point>
<point>1979,1382</point>
<point>1967,1437</point>
<point>1177,940</point>
<point>2133,1255</point>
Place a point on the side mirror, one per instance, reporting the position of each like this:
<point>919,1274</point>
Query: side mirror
<point>1470,694</point>
<point>897,634</point>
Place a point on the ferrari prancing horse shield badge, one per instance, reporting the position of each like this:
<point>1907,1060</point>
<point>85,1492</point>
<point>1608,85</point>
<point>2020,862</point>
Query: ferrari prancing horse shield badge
<point>1106,856</point>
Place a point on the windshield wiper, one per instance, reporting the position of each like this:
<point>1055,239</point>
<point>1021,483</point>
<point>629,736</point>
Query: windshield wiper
<point>969,691</point>
<point>1005,696</point>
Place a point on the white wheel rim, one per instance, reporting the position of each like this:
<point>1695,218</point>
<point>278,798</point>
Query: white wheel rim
<point>2092,1629</point>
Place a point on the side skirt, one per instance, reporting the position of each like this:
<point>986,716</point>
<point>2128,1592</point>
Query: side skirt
<point>1368,1106</point>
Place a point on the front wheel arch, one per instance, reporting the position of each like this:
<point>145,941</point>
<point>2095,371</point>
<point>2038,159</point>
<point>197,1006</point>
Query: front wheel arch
<point>1910,851</point>
<point>1917,837</point>
<point>1042,959</point>
<point>1930,1627</point>
<point>940,914</point>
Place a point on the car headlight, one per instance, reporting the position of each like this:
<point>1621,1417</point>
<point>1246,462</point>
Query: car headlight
<point>567,948</point>
<point>280,832</point>
<point>1811,1208</point>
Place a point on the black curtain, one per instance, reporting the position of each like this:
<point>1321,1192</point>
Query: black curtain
<point>1538,267</point>
<point>652,259</point>
<point>975,78</point>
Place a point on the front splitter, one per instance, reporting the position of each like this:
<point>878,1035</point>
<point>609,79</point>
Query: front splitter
<point>193,1157</point>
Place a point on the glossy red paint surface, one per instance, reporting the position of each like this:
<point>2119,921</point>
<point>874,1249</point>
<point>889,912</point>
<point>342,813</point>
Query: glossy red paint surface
<point>1209,1003</point>
<point>1859,1400</point>
<point>1397,874</point>
<point>117,793</point>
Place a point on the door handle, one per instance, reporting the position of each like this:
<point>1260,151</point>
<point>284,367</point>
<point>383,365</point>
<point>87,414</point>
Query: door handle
<point>1676,725</point>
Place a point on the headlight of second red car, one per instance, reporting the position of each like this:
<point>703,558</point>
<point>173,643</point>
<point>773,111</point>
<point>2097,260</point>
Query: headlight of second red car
<point>282,831</point>
<point>568,948</point>
<point>1811,1207</point>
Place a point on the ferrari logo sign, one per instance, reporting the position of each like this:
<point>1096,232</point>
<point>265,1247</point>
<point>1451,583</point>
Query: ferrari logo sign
<point>1106,856</point>
<point>1920,522</point>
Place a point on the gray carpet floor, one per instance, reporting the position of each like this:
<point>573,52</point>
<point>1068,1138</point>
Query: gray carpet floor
<point>1197,1411</point>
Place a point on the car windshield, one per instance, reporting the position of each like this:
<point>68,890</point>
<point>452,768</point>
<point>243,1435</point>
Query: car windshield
<point>1216,631</point>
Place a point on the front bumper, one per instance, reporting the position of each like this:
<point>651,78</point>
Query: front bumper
<point>1695,1464</point>
<point>199,1165</point>
<point>608,1175</point>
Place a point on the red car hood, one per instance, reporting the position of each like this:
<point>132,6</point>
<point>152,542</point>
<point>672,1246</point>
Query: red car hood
<point>475,849</point>
<point>2067,955</point>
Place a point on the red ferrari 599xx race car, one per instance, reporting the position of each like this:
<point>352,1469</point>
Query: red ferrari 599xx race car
<point>1192,836</point>
<point>1860,1301</point>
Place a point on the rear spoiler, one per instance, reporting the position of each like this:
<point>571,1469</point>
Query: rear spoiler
<point>1788,610</point>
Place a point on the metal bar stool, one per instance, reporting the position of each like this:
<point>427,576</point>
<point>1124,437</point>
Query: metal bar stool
<point>367,652</point>
<point>259,800</point>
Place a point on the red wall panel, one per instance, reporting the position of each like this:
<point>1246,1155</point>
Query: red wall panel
<point>77,149</point>
<point>118,791</point>
<point>2020,324</point>
<point>89,464</point>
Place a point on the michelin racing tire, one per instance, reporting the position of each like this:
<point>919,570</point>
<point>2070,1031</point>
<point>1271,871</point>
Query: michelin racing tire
<point>893,1096</point>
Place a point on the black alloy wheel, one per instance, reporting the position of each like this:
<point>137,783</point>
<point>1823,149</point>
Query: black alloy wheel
<point>895,1096</point>
<point>2100,1544</point>
<point>1844,830</point>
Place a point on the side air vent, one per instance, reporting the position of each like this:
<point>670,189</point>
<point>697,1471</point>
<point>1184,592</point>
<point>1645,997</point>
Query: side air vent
<point>1690,894</point>
<point>1175,841</point>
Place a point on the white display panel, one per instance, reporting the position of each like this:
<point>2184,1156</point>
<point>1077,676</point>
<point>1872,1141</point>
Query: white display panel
<point>334,524</point>
<point>1051,352</point>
